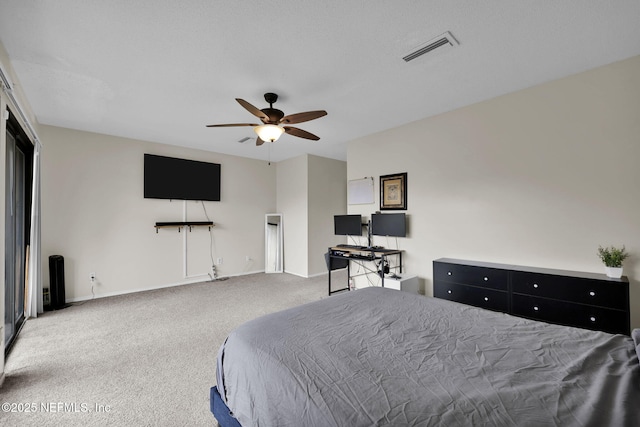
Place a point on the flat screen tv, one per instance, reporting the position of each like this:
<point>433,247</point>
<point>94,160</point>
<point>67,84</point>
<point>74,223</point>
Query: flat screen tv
<point>180,179</point>
<point>347,225</point>
<point>392,224</point>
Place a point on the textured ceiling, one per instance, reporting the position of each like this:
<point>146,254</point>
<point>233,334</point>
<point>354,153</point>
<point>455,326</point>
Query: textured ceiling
<point>161,70</point>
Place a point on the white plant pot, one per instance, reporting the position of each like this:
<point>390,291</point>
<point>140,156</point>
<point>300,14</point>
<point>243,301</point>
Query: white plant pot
<point>614,272</point>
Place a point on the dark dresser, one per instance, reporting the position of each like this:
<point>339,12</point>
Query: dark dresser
<point>572,298</point>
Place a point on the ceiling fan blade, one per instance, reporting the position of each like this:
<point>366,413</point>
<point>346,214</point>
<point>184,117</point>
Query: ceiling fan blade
<point>253,110</point>
<point>232,125</point>
<point>259,141</point>
<point>300,133</point>
<point>303,117</point>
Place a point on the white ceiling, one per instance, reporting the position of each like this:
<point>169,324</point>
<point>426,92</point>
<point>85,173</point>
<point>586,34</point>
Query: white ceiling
<point>160,70</point>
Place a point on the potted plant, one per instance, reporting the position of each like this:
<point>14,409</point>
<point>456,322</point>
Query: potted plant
<point>612,258</point>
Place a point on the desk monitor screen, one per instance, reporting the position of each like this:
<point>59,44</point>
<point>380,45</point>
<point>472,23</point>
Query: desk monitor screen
<point>393,224</point>
<point>347,225</point>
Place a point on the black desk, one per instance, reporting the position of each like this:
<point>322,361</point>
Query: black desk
<point>361,254</point>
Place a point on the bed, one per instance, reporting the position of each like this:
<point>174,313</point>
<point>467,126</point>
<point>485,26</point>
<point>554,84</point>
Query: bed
<point>381,357</point>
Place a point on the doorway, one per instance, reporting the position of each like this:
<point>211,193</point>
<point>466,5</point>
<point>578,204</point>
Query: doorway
<point>273,243</point>
<point>19,156</point>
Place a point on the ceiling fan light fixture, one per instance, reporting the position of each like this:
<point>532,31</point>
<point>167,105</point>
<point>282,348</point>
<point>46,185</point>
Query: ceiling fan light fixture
<point>270,129</point>
<point>269,133</point>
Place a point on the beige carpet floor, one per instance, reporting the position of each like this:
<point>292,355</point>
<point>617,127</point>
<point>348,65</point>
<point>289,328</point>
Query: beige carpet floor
<point>144,359</point>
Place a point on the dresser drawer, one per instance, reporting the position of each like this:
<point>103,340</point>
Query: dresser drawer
<point>479,297</point>
<point>471,275</point>
<point>561,312</point>
<point>573,289</point>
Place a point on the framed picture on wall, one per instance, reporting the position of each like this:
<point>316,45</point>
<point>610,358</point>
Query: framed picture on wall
<point>393,191</point>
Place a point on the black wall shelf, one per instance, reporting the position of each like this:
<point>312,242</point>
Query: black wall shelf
<point>181,224</point>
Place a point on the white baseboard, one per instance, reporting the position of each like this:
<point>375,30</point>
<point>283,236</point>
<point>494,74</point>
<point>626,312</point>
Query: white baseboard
<point>189,281</point>
<point>295,274</point>
<point>324,273</point>
<point>307,276</point>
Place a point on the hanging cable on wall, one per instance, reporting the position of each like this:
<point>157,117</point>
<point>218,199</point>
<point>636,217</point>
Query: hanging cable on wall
<point>214,273</point>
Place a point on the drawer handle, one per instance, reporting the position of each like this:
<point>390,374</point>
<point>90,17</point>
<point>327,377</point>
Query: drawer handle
<point>486,298</point>
<point>535,308</point>
<point>535,285</point>
<point>593,294</point>
<point>486,279</point>
<point>592,318</point>
<point>449,291</point>
<point>449,273</point>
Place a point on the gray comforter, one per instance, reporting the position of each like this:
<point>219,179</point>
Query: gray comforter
<point>378,357</point>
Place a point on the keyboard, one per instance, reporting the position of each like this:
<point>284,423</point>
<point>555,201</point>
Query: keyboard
<point>342,245</point>
<point>378,249</point>
<point>363,257</point>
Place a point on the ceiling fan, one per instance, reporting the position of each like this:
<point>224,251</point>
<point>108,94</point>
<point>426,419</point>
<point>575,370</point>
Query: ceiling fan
<point>272,119</point>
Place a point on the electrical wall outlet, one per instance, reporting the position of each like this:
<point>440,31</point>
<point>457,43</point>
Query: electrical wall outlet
<point>247,258</point>
<point>219,261</point>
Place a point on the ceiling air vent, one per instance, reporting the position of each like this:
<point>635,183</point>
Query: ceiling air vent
<point>443,40</point>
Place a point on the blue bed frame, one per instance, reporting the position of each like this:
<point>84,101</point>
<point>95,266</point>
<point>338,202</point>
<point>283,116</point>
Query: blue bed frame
<point>221,411</point>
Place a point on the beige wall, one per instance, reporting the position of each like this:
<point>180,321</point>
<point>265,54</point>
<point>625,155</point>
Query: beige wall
<point>311,189</point>
<point>327,197</point>
<point>94,214</point>
<point>292,195</point>
<point>539,177</point>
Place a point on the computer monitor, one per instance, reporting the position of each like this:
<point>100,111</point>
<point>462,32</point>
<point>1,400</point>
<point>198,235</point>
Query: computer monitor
<point>392,224</point>
<point>347,225</point>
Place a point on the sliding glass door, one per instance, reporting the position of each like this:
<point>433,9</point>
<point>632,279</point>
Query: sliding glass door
<point>17,193</point>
